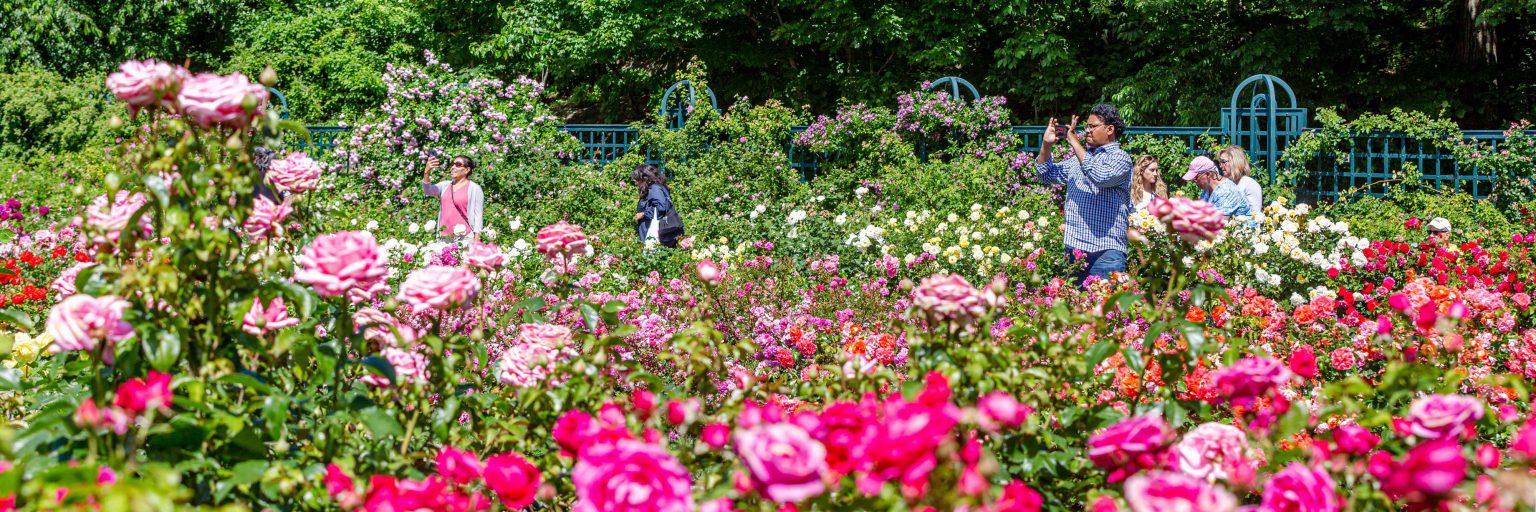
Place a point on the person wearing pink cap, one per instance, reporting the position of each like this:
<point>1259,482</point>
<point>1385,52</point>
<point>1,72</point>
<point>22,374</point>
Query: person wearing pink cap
<point>1216,189</point>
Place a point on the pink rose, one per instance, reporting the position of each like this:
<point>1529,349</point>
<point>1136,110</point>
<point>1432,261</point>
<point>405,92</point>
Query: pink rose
<point>484,256</point>
<point>112,215</point>
<point>259,321</point>
<point>1342,359</point>
<point>1443,416</point>
<point>366,293</point>
<point>544,335</point>
<point>715,435</point>
<point>1161,491</point>
<point>525,365</point>
<point>135,396</point>
<point>948,297</point>
<point>785,464</point>
<point>410,368</point>
<point>265,216</point>
<point>1129,446</point>
<point>1354,440</point>
<point>295,172</point>
<point>576,432</point>
<point>1018,497</point>
<point>82,322</point>
<point>514,480</point>
<point>631,475</point>
<point>378,327</point>
<point>710,272</point>
<point>65,283</point>
<point>1216,451</point>
<point>146,83</point>
<point>1430,469</point>
<point>903,444</point>
<point>841,430</point>
<point>210,99</point>
<point>1192,219</point>
<point>1300,488</point>
<point>1524,442</point>
<point>683,412</point>
<point>1250,377</point>
<point>341,487</point>
<point>562,242</point>
<point>338,262</point>
<point>458,466</point>
<point>999,410</point>
<point>439,287</point>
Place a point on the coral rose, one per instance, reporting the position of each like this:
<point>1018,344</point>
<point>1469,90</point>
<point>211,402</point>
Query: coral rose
<point>338,262</point>
<point>439,287</point>
<point>208,99</point>
<point>785,464</point>
<point>631,475</point>
<point>82,322</point>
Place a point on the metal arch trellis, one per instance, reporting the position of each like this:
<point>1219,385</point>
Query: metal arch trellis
<point>682,111</point>
<point>955,84</point>
<point>1266,138</point>
<point>282,101</point>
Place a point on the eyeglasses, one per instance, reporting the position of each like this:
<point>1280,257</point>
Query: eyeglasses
<point>1092,126</point>
<point>459,164</point>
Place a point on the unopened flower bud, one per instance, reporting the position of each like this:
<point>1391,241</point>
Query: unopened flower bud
<point>268,76</point>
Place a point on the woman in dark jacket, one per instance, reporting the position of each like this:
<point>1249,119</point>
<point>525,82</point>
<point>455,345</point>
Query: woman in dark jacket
<point>655,202</point>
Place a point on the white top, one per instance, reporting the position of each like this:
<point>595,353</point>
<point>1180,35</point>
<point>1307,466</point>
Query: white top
<point>1253,193</point>
<point>1146,201</point>
<point>476,202</point>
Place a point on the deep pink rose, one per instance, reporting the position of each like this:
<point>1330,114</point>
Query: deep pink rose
<point>1129,446</point>
<point>1524,442</point>
<point>210,99</point>
<point>1431,469</point>
<point>1299,488</point>
<point>544,335</point>
<point>1354,440</point>
<point>715,435</point>
<point>683,412</point>
<point>341,487</point>
<point>785,464</point>
<point>259,320</point>
<point>841,430</point>
<point>903,444</point>
<point>458,466</point>
<point>1488,456</point>
<point>82,322</point>
<point>295,172</point>
<point>1018,497</point>
<point>338,262</point>
<point>631,475</point>
<point>1250,377</point>
<point>266,217</point>
<point>1192,219</point>
<point>135,396</point>
<point>112,215</point>
<point>999,410</point>
<point>1443,416</point>
<point>146,83</point>
<point>1304,362</point>
<point>948,297</point>
<point>484,256</point>
<point>1216,451</point>
<point>1162,491</point>
<point>561,243</point>
<point>514,480</point>
<point>439,287</point>
<point>576,432</point>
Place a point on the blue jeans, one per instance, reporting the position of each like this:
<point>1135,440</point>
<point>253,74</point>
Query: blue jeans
<point>1099,263</point>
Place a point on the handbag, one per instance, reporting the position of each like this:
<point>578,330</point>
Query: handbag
<point>671,224</point>
<point>653,232</point>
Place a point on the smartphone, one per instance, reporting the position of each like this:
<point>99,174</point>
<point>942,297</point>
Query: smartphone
<point>1061,130</point>
<point>432,153</point>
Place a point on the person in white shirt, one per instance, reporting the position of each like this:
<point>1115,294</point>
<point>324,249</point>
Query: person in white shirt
<point>1147,182</point>
<point>1234,165</point>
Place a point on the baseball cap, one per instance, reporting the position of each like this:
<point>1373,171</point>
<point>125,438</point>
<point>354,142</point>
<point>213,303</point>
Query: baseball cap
<point>1199,165</point>
<point>1440,225</point>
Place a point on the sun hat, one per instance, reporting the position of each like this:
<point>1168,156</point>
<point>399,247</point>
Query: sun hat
<point>1199,165</point>
<point>1440,225</point>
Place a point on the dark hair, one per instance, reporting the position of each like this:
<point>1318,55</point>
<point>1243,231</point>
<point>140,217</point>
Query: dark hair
<point>468,162</point>
<point>263,158</point>
<point>646,175</point>
<point>1110,116</point>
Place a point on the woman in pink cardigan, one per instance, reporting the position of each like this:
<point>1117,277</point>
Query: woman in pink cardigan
<point>459,213</point>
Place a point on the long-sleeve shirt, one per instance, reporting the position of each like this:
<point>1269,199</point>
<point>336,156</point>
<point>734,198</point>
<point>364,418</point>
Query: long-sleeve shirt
<point>476,203</point>
<point>1098,203</point>
<point>1227,199</point>
<point>657,202</point>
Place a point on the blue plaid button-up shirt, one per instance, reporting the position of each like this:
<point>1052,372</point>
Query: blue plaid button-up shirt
<point>1098,196</point>
<point>1228,199</point>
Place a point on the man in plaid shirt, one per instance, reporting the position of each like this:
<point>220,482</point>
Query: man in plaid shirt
<point>1097,174</point>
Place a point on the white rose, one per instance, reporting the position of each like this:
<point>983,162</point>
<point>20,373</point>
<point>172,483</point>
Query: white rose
<point>841,218</point>
<point>861,191</point>
<point>414,228</point>
<point>431,225</point>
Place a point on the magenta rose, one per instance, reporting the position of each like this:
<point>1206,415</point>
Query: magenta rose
<point>338,262</point>
<point>1216,451</point>
<point>295,172</point>
<point>785,464</point>
<point>902,445</point>
<point>1129,446</point>
<point>1192,219</point>
<point>544,335</point>
<point>631,475</point>
<point>146,83</point>
<point>1524,442</point>
<point>259,320</point>
<point>439,287</point>
<point>948,297</point>
<point>841,430</point>
<point>514,480</point>
<point>1162,491</point>
<point>1443,416</point>
<point>484,256</point>
<point>208,99</point>
<point>83,322</point>
<point>1354,440</point>
<point>576,432</point>
<point>112,215</point>
<point>135,396</point>
<point>1249,378</point>
<point>458,466</point>
<point>1018,497</point>
<point>341,487</point>
<point>1300,488</point>
<point>999,410</point>
<point>1430,470</point>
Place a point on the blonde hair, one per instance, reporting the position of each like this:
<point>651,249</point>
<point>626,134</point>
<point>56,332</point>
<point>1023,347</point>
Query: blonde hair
<point>1136,180</point>
<point>1237,166</point>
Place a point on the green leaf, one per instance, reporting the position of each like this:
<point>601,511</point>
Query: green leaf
<point>1133,359</point>
<point>1195,335</point>
<point>381,423</point>
<point>163,350</point>
<point>1175,414</point>
<point>611,312</point>
<point>379,366</point>
<point>7,341</point>
<point>1100,351</point>
<point>245,380</point>
<point>17,318</point>
<point>248,472</point>
<point>589,315</point>
<point>10,379</point>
